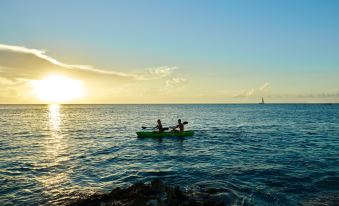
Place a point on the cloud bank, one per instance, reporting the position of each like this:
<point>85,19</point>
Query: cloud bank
<point>19,65</point>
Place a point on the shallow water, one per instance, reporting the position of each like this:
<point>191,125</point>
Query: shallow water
<point>260,154</point>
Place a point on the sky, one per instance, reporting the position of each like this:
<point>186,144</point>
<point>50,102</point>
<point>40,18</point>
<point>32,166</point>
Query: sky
<point>169,51</point>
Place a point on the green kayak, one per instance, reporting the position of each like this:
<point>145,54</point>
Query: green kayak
<point>165,134</point>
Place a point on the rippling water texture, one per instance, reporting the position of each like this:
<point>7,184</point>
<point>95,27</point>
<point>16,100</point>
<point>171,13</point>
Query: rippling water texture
<point>259,154</point>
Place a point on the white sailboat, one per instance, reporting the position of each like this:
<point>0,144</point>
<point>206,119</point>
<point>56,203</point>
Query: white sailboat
<point>262,101</point>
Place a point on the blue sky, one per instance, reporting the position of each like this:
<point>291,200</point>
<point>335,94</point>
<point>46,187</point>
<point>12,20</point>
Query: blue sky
<point>229,46</point>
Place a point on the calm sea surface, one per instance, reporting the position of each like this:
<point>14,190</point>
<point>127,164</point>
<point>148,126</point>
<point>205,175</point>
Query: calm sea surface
<point>260,154</point>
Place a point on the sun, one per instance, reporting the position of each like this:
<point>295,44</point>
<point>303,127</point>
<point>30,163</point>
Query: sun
<point>58,89</point>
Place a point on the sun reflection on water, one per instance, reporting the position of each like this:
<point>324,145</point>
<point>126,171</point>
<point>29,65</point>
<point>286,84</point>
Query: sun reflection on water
<point>54,117</point>
<point>55,153</point>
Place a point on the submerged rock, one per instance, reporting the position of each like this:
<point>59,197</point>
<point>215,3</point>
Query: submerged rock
<point>154,194</point>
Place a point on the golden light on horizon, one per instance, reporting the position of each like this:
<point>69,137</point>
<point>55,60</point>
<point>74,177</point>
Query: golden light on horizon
<point>58,89</point>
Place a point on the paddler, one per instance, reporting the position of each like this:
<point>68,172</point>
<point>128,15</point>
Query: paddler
<point>180,126</point>
<point>159,126</point>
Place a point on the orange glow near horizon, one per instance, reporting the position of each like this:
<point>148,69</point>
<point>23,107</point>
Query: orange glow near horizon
<point>58,89</point>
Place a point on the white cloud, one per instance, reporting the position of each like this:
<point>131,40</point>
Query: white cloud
<point>176,82</point>
<point>265,86</point>
<point>162,71</point>
<point>262,90</point>
<point>156,73</point>
<point>250,92</point>
<point>19,65</point>
<point>26,63</point>
<point>246,93</point>
<point>41,54</point>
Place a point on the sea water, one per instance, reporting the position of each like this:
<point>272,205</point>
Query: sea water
<point>272,154</point>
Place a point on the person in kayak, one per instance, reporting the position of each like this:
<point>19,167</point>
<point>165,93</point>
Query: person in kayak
<point>180,126</point>
<point>159,126</point>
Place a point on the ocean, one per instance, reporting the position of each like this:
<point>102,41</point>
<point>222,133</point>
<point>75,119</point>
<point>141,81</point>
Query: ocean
<point>271,154</point>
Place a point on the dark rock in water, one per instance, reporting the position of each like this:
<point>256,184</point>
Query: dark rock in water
<point>154,194</point>
<point>158,186</point>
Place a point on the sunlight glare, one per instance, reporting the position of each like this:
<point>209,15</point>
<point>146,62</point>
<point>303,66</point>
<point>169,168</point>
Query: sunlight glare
<point>58,89</point>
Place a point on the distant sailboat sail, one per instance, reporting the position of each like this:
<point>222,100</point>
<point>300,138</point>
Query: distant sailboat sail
<point>262,101</point>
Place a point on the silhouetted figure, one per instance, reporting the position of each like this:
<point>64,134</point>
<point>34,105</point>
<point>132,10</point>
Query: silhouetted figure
<point>159,126</point>
<point>180,126</point>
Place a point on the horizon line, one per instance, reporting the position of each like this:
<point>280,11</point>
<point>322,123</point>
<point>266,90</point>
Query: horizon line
<point>166,103</point>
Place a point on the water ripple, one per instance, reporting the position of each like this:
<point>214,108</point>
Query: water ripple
<point>244,154</point>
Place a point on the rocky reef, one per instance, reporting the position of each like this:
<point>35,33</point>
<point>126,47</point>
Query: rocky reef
<point>154,194</point>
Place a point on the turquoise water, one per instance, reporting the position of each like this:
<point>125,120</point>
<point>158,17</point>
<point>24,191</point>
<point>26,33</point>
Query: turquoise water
<point>259,154</point>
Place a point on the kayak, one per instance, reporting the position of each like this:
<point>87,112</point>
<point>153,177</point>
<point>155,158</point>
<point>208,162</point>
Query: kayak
<point>165,134</point>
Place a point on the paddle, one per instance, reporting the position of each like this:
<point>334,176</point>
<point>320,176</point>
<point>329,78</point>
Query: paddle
<point>165,128</point>
<point>184,123</point>
<point>148,127</point>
